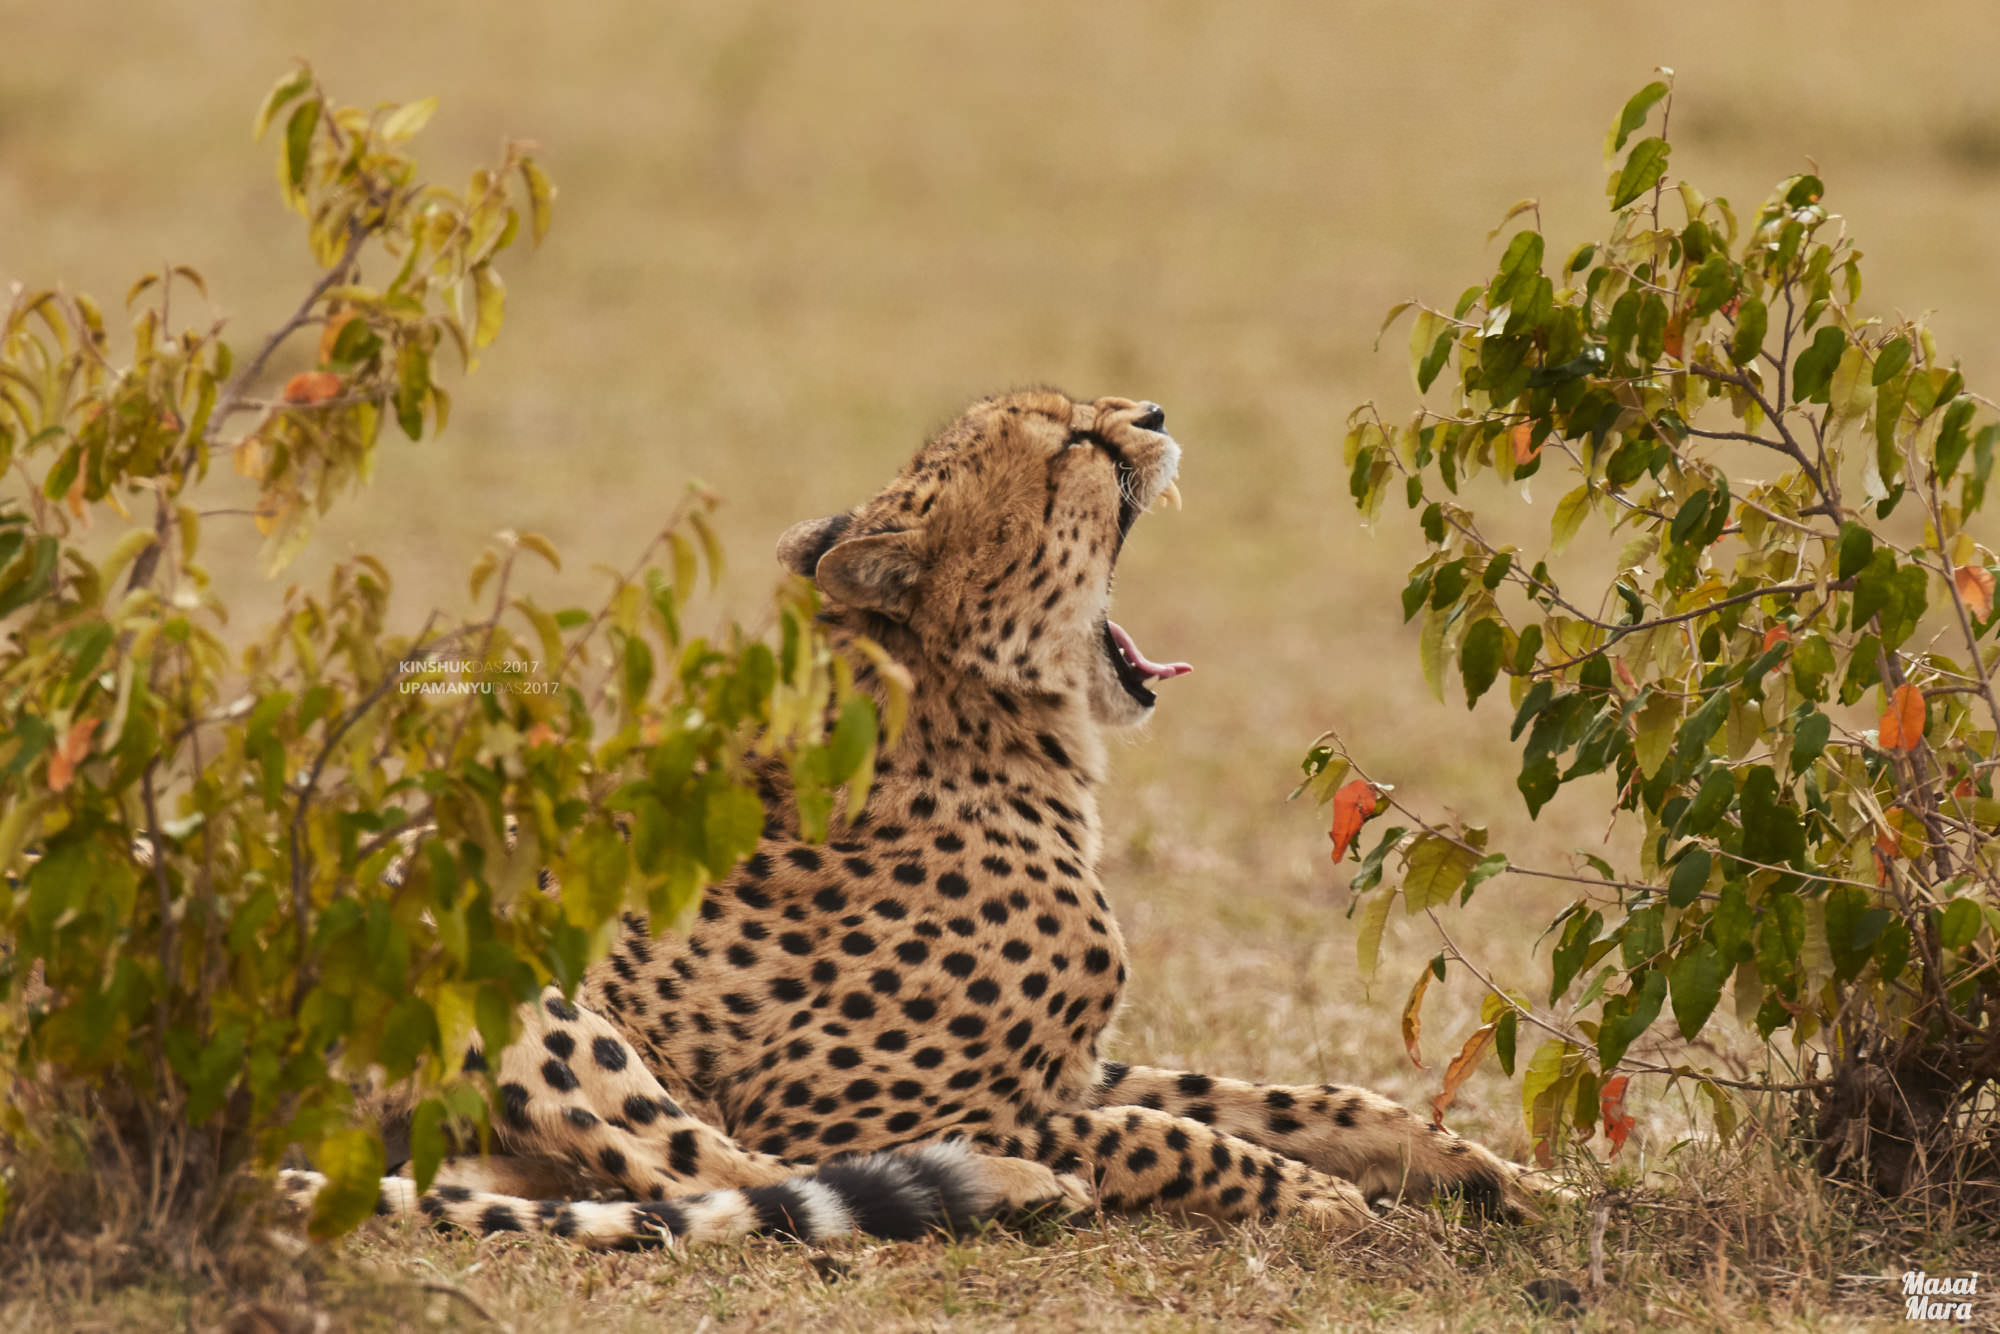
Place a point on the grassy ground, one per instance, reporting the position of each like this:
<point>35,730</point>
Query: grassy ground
<point>792,238</point>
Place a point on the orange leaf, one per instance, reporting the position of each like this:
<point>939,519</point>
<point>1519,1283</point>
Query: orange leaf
<point>1353,806</point>
<point>311,387</point>
<point>74,499</point>
<point>1975,589</point>
<point>330,336</point>
<point>1676,339</point>
<point>1774,636</point>
<point>1887,848</point>
<point>541,734</point>
<point>1902,727</point>
<point>1461,1066</point>
<point>75,746</point>
<point>1520,437</point>
<point>1611,1103</point>
<point>1624,673</point>
<point>1413,1019</point>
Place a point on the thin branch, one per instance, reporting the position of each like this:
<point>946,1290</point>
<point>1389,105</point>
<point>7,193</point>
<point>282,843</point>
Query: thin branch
<point>231,399</point>
<point>1752,1085</point>
<point>1619,632</point>
<point>1829,500</point>
<point>301,853</point>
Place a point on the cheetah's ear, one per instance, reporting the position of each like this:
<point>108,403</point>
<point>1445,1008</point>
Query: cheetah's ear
<point>805,542</point>
<point>878,572</point>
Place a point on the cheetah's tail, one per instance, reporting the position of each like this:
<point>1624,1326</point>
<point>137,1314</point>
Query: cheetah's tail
<point>895,1194</point>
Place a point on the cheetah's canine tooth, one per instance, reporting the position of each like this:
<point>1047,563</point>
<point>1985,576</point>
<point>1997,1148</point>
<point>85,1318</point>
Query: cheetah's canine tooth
<point>1169,497</point>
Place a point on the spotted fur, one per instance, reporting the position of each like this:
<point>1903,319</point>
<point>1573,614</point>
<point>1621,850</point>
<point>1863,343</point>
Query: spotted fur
<point>945,971</point>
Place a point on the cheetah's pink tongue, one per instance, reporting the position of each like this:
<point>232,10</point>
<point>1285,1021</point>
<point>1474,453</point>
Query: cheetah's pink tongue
<point>1159,670</point>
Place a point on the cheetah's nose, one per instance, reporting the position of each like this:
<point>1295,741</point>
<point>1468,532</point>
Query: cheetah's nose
<point>1154,418</point>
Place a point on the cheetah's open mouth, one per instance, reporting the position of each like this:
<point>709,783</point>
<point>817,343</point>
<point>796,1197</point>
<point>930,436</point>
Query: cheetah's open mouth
<point>1134,669</point>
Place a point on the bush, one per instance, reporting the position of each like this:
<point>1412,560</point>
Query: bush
<point>244,865</point>
<point>1782,656</point>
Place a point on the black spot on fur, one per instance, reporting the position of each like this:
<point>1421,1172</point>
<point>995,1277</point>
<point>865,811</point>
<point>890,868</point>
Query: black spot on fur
<point>608,1052</point>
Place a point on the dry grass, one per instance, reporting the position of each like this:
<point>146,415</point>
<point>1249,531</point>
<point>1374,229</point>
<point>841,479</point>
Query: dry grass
<point>791,238</point>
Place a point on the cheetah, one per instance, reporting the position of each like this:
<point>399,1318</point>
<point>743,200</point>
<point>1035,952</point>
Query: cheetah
<point>903,1028</point>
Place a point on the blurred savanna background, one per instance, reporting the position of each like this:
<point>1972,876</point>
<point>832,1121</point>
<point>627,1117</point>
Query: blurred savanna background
<point>791,239</point>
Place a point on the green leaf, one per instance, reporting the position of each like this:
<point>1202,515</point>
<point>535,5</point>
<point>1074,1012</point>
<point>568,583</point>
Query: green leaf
<point>852,740</point>
<point>1568,957</point>
<point>732,822</point>
<point>1895,354</point>
<point>1628,1016</point>
<point>1526,652</point>
<point>1853,925</point>
<point>1812,372</point>
<point>637,674</point>
<point>1479,658</point>
<point>1690,519</point>
<point>1489,866</point>
<point>1430,343</point>
<point>1809,740</point>
<point>289,85</point>
<point>1538,780</point>
<point>1643,168</point>
<point>1857,547</point>
<point>1714,283</point>
<point>1701,725</point>
<point>1690,877</point>
<point>1748,340</point>
<point>1952,438</point>
<point>298,146</point>
<point>413,385</point>
<point>1696,977</point>
<point>1729,926</point>
<point>1960,923</point>
<point>1771,830</point>
<point>1634,115</point>
<point>352,1162</point>
<point>1504,1035</point>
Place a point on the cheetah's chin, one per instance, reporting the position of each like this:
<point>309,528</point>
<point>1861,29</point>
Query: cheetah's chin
<point>1133,668</point>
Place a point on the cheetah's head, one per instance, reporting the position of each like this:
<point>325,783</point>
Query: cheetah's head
<point>995,547</point>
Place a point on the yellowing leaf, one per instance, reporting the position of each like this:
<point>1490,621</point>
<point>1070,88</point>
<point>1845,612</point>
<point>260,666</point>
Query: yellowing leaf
<point>1975,589</point>
<point>74,749</point>
<point>1462,1066</point>
<point>329,337</point>
<point>406,120</point>
<point>249,458</point>
<point>542,547</point>
<point>1413,1019</point>
<point>1570,512</point>
<point>1368,944</point>
<point>1437,867</point>
<point>541,197</point>
<point>490,303</point>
